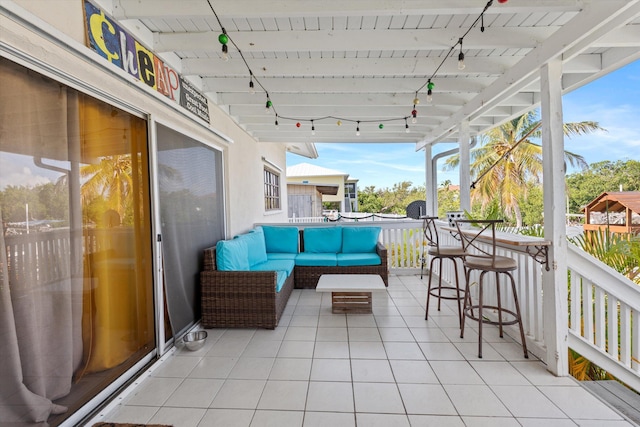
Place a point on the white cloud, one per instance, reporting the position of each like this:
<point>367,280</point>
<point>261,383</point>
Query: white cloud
<point>17,171</point>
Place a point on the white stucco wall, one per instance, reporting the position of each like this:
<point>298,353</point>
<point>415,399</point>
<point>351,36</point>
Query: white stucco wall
<point>60,44</point>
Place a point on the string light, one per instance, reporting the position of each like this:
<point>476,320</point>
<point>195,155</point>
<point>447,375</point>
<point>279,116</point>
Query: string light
<point>461,57</point>
<point>267,105</point>
<point>224,40</point>
<point>252,89</point>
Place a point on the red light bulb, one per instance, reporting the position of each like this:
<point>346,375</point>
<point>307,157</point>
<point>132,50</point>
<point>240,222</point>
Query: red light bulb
<point>298,124</point>
<point>502,1</point>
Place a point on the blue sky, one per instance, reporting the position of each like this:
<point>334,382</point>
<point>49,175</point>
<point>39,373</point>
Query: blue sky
<point>613,101</point>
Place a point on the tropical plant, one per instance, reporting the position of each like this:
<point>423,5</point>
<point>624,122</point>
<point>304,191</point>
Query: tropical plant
<point>509,160</point>
<point>620,251</point>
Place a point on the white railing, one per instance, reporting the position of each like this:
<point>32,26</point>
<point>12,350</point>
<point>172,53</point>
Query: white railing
<point>404,241</point>
<point>604,311</point>
<point>528,280</point>
<point>596,293</point>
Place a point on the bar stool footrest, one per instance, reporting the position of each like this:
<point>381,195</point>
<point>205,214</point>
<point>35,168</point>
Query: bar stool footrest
<point>460,292</point>
<point>468,312</point>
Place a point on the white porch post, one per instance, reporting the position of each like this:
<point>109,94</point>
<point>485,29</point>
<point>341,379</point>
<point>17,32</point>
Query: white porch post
<point>465,166</point>
<point>554,281</point>
<point>431,187</point>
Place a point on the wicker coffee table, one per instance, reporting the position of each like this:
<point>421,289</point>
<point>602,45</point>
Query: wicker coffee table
<point>350,293</point>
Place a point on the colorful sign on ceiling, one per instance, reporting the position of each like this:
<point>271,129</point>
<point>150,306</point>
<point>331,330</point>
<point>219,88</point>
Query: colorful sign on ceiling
<point>117,46</point>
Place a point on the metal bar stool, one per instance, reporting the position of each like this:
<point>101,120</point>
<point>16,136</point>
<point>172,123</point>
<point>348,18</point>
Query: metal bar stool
<point>487,261</point>
<point>438,252</point>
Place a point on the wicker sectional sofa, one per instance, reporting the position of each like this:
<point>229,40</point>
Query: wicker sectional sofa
<point>247,281</point>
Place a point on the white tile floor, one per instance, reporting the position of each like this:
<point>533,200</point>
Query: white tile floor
<point>388,369</point>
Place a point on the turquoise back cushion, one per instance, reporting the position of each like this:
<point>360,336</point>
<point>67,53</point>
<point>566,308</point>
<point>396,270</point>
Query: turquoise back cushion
<point>232,255</point>
<point>281,239</point>
<point>323,240</point>
<point>359,239</point>
<point>255,245</point>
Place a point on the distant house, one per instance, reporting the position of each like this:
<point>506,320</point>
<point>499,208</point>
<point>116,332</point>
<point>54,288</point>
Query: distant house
<point>618,212</point>
<point>309,185</point>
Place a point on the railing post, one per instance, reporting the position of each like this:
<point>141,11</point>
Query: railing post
<point>554,286</point>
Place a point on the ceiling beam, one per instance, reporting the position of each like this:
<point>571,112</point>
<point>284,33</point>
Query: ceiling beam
<point>330,99</point>
<point>226,9</point>
<point>327,67</point>
<point>355,40</point>
<point>348,85</point>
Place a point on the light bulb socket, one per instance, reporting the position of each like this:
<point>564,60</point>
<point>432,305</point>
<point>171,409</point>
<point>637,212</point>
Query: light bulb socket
<point>461,61</point>
<point>252,89</point>
<point>225,52</point>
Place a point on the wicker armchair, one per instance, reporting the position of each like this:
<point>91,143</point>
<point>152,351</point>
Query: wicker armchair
<point>240,299</point>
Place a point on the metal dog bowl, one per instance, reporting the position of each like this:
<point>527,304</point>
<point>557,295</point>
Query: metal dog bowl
<point>195,340</point>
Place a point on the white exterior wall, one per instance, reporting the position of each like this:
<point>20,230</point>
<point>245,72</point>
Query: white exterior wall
<point>66,52</point>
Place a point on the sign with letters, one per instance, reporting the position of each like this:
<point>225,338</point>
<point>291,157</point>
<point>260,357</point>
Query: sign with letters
<point>117,46</point>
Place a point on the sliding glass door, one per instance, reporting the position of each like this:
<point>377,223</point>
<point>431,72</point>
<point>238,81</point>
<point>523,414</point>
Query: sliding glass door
<point>191,210</point>
<point>76,284</point>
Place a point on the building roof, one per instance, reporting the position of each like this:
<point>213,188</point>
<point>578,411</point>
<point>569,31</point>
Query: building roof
<point>307,170</point>
<point>615,201</point>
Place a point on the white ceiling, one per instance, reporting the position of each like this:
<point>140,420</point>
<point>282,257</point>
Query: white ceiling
<point>365,60</point>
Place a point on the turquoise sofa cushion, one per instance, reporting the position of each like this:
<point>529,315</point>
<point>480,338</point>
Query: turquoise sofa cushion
<point>359,239</point>
<point>286,265</point>
<point>281,239</point>
<point>323,240</point>
<point>316,259</point>
<point>280,255</point>
<point>232,255</point>
<point>350,260</point>
<point>280,279</point>
<point>255,245</point>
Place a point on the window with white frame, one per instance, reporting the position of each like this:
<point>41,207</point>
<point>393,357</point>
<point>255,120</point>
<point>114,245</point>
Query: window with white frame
<point>271,190</point>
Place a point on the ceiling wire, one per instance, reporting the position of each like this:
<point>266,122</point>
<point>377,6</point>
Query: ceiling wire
<point>271,105</point>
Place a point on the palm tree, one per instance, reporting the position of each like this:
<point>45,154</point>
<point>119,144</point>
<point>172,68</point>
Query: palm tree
<point>509,159</point>
<point>110,178</point>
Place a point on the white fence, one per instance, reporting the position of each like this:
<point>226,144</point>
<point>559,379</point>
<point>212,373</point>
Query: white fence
<point>604,311</point>
<point>604,306</point>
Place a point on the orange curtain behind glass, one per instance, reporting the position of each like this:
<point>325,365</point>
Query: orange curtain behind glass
<point>118,298</point>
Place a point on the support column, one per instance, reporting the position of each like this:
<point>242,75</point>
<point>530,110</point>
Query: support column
<point>464,136</point>
<point>431,186</point>
<point>554,281</point>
